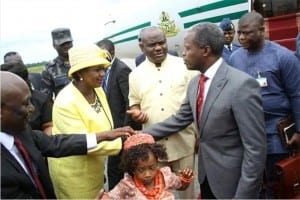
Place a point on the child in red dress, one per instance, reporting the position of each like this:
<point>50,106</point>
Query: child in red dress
<point>144,179</point>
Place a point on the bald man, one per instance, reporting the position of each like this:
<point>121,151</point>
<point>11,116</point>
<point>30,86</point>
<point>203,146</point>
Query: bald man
<point>41,117</point>
<point>16,180</point>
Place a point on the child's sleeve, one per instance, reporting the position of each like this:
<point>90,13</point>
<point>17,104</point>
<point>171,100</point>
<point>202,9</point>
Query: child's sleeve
<point>172,181</point>
<point>125,189</point>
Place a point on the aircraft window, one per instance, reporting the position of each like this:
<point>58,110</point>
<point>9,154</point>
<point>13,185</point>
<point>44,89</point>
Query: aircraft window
<point>272,8</point>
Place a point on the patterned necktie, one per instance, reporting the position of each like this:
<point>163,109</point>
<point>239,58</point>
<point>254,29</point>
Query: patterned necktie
<point>200,96</point>
<point>105,79</point>
<point>28,163</point>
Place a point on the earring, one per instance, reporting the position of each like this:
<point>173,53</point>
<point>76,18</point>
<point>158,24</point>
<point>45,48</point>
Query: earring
<point>81,79</point>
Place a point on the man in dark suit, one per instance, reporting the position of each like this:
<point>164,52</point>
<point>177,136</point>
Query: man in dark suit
<point>17,179</point>
<point>232,150</point>
<point>115,85</point>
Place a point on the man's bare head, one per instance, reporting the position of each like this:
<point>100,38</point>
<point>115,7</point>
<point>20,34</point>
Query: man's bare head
<point>15,103</point>
<point>10,84</point>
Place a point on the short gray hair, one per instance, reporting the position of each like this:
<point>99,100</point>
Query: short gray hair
<point>209,34</point>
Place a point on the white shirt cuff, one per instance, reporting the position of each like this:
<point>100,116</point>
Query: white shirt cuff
<point>91,141</point>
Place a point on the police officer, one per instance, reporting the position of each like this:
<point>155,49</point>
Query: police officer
<point>54,77</point>
<point>229,31</point>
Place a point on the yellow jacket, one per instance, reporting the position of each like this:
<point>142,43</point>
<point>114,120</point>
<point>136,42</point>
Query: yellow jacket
<point>80,176</point>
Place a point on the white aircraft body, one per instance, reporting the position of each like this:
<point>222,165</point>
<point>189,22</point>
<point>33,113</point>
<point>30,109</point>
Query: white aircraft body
<point>173,16</point>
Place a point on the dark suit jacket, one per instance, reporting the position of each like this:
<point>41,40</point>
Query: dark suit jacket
<point>232,137</point>
<point>139,59</point>
<point>15,183</point>
<point>117,94</point>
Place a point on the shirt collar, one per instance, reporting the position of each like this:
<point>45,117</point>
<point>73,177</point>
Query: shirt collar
<point>111,63</point>
<point>162,63</point>
<point>226,45</point>
<point>113,60</point>
<point>6,140</point>
<point>212,70</point>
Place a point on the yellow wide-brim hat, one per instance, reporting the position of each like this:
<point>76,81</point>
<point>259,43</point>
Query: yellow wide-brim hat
<point>85,56</point>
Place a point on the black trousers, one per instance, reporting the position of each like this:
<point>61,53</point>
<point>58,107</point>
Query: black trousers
<point>206,192</point>
<point>114,172</point>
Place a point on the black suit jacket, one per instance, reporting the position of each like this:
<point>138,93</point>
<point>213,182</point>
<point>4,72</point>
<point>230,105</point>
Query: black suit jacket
<point>15,183</point>
<point>117,94</point>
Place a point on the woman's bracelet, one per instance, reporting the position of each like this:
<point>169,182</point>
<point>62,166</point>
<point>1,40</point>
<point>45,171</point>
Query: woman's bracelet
<point>186,180</point>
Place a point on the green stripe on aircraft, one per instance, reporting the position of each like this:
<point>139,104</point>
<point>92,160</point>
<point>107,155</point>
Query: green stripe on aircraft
<point>186,13</point>
<point>217,19</point>
<point>209,7</point>
<point>126,39</point>
<point>130,29</point>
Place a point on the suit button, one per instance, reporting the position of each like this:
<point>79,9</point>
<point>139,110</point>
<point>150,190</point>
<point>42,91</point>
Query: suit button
<point>162,109</point>
<point>166,138</point>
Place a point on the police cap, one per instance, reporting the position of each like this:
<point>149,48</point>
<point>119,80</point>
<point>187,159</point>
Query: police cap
<point>61,35</point>
<point>226,25</point>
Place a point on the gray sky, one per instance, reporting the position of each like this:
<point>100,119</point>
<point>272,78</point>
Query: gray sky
<point>25,25</point>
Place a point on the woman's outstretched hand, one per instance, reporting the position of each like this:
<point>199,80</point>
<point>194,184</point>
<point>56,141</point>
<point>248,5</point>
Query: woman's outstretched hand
<point>114,134</point>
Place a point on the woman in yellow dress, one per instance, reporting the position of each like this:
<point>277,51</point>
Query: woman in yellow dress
<point>81,107</point>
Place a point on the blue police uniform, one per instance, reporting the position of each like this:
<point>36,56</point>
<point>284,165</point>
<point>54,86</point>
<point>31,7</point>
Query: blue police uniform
<point>226,53</point>
<point>226,25</point>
